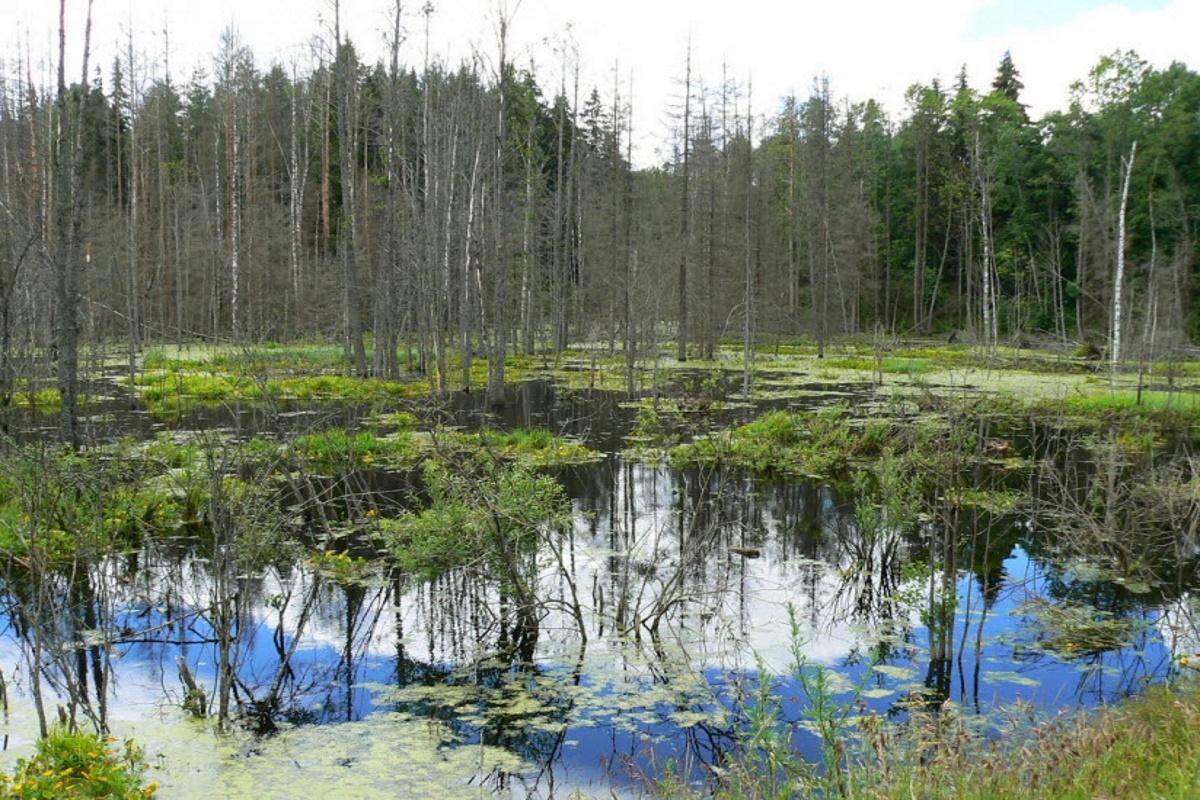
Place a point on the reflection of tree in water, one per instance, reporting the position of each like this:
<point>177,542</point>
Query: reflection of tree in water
<point>487,690</point>
<point>658,557</point>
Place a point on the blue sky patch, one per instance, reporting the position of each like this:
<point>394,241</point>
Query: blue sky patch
<point>1002,16</point>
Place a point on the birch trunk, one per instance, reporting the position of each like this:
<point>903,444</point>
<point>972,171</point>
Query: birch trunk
<point>1119,278</point>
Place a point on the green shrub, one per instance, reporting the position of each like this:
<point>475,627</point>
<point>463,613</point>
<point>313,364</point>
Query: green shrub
<point>79,765</point>
<point>492,518</point>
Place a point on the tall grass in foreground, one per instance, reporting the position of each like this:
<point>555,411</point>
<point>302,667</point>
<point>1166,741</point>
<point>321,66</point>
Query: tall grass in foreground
<point>1144,747</point>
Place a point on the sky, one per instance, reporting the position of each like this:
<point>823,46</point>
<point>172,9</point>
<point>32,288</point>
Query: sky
<point>867,48</point>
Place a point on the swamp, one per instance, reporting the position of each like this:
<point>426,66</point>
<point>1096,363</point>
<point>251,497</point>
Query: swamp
<point>397,403</point>
<point>587,590</point>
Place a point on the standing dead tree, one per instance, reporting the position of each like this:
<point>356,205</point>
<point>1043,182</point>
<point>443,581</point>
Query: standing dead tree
<point>65,252</point>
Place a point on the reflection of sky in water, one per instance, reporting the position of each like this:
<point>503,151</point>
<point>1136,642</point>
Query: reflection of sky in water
<point>631,707</point>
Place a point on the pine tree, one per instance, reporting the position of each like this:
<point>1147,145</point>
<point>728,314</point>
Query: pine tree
<point>1008,79</point>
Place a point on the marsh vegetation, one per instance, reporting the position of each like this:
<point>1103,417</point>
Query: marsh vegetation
<point>384,430</point>
<point>844,577</point>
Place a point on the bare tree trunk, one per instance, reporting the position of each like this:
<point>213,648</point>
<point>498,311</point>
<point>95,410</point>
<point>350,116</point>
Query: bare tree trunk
<point>1119,277</point>
<point>630,254</point>
<point>684,209</point>
<point>985,225</point>
<point>298,177</point>
<point>235,219</point>
<point>748,295</point>
<point>68,204</point>
<point>131,310</point>
<point>499,333</point>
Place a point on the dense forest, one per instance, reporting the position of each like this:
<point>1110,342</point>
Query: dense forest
<point>437,208</point>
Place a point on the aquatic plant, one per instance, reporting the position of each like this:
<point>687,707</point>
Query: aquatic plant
<point>890,365</point>
<point>765,763</point>
<point>536,447</point>
<point>341,450</point>
<point>1069,630</point>
<point>818,443</point>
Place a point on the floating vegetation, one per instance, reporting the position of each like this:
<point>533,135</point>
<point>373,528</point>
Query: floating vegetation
<point>531,447</point>
<point>817,444</point>
<point>1069,630</point>
<point>993,501</point>
<point>339,450</point>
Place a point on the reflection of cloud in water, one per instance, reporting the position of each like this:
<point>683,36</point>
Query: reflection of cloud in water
<point>647,539</point>
<point>1179,625</point>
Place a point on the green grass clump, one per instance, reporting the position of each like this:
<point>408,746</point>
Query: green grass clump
<point>944,356</point>
<point>536,447</point>
<point>80,765</point>
<point>45,400</point>
<point>530,447</point>
<point>1125,403</point>
<point>993,501</point>
<point>343,389</point>
<point>166,393</point>
<point>339,449</point>
<point>1142,748</point>
<point>161,360</point>
<point>180,391</point>
<point>305,375</point>
<point>890,365</point>
<point>1147,747</point>
<point>395,420</point>
<point>819,443</point>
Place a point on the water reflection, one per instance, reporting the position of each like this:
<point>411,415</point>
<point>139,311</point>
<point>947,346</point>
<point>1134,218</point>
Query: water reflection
<point>653,609</point>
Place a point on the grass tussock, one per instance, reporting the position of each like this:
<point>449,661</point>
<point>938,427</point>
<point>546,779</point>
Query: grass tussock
<point>1148,747</point>
<point>788,443</point>
<point>889,365</point>
<point>1127,403</point>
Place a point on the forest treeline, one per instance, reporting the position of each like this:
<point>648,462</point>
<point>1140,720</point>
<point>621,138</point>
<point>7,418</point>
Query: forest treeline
<point>427,211</point>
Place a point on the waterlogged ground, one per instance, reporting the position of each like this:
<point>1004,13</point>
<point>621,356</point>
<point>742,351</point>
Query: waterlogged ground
<point>687,580</point>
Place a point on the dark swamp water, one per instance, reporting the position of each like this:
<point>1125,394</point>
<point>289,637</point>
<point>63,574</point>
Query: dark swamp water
<point>685,579</point>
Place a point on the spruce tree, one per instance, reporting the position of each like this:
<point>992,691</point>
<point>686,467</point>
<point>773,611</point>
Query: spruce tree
<point>1008,80</point>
